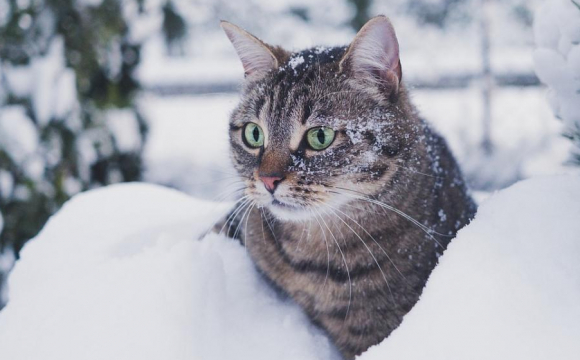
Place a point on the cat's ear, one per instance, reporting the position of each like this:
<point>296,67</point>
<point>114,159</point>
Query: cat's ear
<point>257,57</point>
<point>374,55</point>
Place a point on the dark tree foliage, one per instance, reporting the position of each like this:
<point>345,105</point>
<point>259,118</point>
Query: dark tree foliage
<point>426,12</point>
<point>574,136</point>
<point>361,14</point>
<point>89,34</point>
<point>300,12</point>
<point>174,27</point>
<point>438,13</point>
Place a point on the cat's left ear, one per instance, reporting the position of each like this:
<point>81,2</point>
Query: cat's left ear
<point>374,56</point>
<point>257,57</point>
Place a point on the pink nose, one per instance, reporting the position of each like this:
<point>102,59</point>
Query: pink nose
<point>271,182</point>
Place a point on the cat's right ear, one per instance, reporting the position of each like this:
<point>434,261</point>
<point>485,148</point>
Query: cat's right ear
<point>257,57</point>
<point>373,56</point>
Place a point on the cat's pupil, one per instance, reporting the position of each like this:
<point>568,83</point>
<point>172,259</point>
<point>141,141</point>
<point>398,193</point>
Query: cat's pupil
<point>320,136</point>
<point>256,134</point>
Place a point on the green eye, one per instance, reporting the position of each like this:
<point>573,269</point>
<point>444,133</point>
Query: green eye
<point>253,135</point>
<point>320,138</point>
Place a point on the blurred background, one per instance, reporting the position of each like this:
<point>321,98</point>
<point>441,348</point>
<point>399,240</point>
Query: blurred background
<point>95,92</point>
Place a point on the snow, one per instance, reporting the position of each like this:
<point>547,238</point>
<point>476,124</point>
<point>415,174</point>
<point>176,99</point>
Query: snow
<point>508,287</point>
<point>119,273</point>
<point>131,250</point>
<point>124,126</point>
<point>131,273</point>
<point>188,146</point>
<point>18,135</point>
<point>51,89</point>
<point>157,69</point>
<point>122,266</point>
<point>40,78</point>
<point>295,61</point>
<point>557,60</point>
<point>526,137</point>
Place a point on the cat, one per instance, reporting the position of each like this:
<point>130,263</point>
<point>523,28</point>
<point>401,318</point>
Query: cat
<point>349,197</point>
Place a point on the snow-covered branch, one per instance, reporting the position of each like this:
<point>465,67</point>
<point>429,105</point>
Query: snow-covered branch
<point>557,61</point>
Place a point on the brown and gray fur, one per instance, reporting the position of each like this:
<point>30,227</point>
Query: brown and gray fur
<point>352,232</point>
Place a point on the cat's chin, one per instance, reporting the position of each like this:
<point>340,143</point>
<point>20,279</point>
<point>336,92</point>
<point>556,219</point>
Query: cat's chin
<point>286,212</point>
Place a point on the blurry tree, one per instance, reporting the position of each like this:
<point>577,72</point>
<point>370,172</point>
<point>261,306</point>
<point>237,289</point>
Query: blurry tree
<point>67,116</point>
<point>361,14</point>
<point>439,12</point>
<point>572,117</point>
<point>444,13</point>
<point>174,29</point>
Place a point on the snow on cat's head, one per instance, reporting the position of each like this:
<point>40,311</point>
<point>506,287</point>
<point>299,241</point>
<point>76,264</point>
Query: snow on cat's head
<point>319,128</point>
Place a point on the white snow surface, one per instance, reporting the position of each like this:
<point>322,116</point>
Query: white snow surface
<point>119,273</point>
<point>508,287</point>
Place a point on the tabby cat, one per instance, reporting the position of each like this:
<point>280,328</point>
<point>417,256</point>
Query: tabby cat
<point>349,197</point>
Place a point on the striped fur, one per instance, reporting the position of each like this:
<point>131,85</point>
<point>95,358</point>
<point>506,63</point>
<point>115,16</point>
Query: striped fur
<point>352,232</point>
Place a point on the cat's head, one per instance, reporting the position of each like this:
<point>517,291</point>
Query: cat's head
<point>317,128</point>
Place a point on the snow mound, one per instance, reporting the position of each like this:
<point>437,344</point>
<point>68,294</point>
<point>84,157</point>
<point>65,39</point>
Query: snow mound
<point>508,287</point>
<point>119,273</point>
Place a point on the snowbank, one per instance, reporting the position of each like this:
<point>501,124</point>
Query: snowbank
<point>508,287</point>
<point>118,273</point>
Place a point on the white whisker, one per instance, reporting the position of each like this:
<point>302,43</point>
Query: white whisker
<point>428,231</point>
<point>345,265</point>
<point>368,249</point>
<point>327,250</point>
<point>235,213</point>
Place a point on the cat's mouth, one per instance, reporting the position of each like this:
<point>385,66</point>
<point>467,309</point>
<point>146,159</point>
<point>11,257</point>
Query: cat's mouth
<point>285,206</point>
<point>288,212</point>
